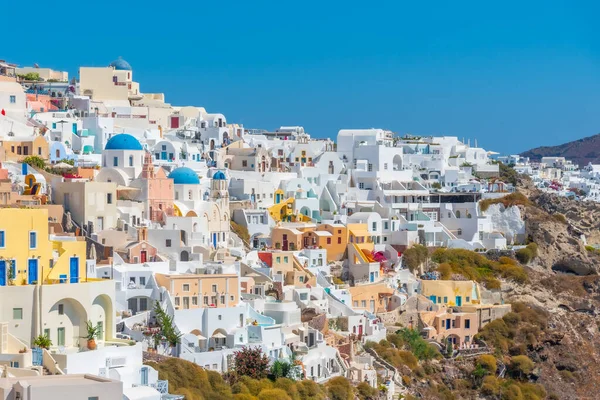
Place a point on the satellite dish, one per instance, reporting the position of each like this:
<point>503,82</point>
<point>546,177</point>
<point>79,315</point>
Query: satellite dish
<point>35,65</point>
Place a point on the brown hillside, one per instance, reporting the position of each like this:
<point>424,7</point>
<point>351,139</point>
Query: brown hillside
<point>580,151</point>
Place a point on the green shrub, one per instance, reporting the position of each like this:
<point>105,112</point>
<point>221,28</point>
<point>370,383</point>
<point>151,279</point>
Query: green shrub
<point>414,256</point>
<point>524,255</point>
<point>490,386</point>
<point>520,366</point>
<point>488,362</point>
<point>366,391</point>
<point>273,394</point>
<point>339,388</point>
<point>512,392</point>
<point>445,271</point>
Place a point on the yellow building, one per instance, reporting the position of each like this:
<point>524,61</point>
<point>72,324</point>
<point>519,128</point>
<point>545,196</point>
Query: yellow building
<point>28,255</point>
<point>451,293</point>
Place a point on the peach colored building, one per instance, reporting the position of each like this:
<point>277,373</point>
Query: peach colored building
<point>285,239</point>
<point>41,102</point>
<point>371,297</point>
<point>446,324</point>
<point>16,149</point>
<point>201,290</point>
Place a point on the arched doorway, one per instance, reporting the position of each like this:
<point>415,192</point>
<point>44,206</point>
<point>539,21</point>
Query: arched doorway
<point>69,317</point>
<point>185,256</point>
<point>102,313</point>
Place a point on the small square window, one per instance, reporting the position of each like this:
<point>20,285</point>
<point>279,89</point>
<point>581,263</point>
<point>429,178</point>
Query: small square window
<point>220,317</point>
<point>186,287</point>
<point>168,243</point>
<point>214,288</point>
<point>13,99</point>
<point>17,313</point>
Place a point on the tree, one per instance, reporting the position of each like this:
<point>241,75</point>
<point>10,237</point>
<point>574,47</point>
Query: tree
<point>366,391</point>
<point>488,363</point>
<point>31,76</point>
<point>168,331</point>
<point>251,362</point>
<point>273,394</point>
<point>520,366</point>
<point>339,388</point>
<point>415,256</point>
<point>35,161</point>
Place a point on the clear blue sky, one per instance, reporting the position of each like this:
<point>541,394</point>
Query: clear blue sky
<point>514,74</point>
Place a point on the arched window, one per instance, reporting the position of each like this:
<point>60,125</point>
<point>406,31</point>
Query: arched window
<point>457,214</point>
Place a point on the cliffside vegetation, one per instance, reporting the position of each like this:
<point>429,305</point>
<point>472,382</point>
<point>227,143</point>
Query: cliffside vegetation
<point>197,383</point>
<point>465,264</point>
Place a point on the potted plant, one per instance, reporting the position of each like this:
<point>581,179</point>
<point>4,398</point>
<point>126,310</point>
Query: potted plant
<point>43,342</point>
<point>93,331</point>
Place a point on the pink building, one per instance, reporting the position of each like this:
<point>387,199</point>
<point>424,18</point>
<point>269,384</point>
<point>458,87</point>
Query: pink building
<point>157,190</point>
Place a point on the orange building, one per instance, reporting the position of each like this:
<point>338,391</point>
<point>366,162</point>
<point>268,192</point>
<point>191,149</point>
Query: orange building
<point>15,149</point>
<point>339,240</point>
<point>287,238</point>
<point>201,290</point>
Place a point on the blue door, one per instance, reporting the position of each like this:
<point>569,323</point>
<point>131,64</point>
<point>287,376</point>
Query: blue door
<point>459,301</point>
<point>32,271</point>
<point>277,198</point>
<point>2,273</point>
<point>372,277</point>
<point>37,355</point>
<point>144,377</point>
<point>448,324</point>
<point>433,299</point>
<point>215,240</point>
<point>74,270</point>
<point>163,155</point>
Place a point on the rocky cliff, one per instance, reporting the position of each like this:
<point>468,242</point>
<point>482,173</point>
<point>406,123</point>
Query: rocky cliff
<point>580,151</point>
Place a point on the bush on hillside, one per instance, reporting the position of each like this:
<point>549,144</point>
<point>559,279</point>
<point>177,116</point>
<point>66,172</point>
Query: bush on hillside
<point>513,199</point>
<point>366,391</point>
<point>339,388</point>
<point>414,256</point>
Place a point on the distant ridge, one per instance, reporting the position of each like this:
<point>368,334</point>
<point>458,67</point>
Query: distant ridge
<point>581,152</point>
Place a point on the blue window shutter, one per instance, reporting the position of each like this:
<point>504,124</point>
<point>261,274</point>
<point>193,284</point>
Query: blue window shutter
<point>2,239</point>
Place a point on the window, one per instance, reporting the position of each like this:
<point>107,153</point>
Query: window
<point>93,398</point>
<point>2,240</point>
<point>385,166</point>
<point>285,259</point>
<point>47,333</point>
<point>61,309</point>
<point>222,299</point>
<point>168,243</point>
<point>39,151</point>
<point>13,99</point>
<point>115,161</point>
<point>108,198</point>
<point>363,303</point>
<point>186,287</point>
<point>32,240</point>
<point>361,185</point>
<point>467,299</point>
<point>214,288</point>
<point>386,225</point>
<point>374,226</point>
<point>206,300</point>
<point>303,296</point>
<point>131,161</point>
<point>459,232</point>
<point>244,163</point>
<point>278,260</point>
<point>467,323</point>
<point>194,301</point>
<point>17,313</point>
<point>355,303</point>
<point>61,336</point>
<point>370,167</point>
<point>177,301</point>
<point>100,326</point>
<point>142,281</point>
<point>164,147</point>
<point>232,298</point>
<point>220,317</point>
<point>143,304</point>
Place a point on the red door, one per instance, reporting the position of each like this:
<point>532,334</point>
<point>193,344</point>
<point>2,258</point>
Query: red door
<point>174,122</point>
<point>360,330</point>
<point>285,243</point>
<point>143,256</point>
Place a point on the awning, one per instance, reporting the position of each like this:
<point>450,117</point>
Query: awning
<point>219,335</point>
